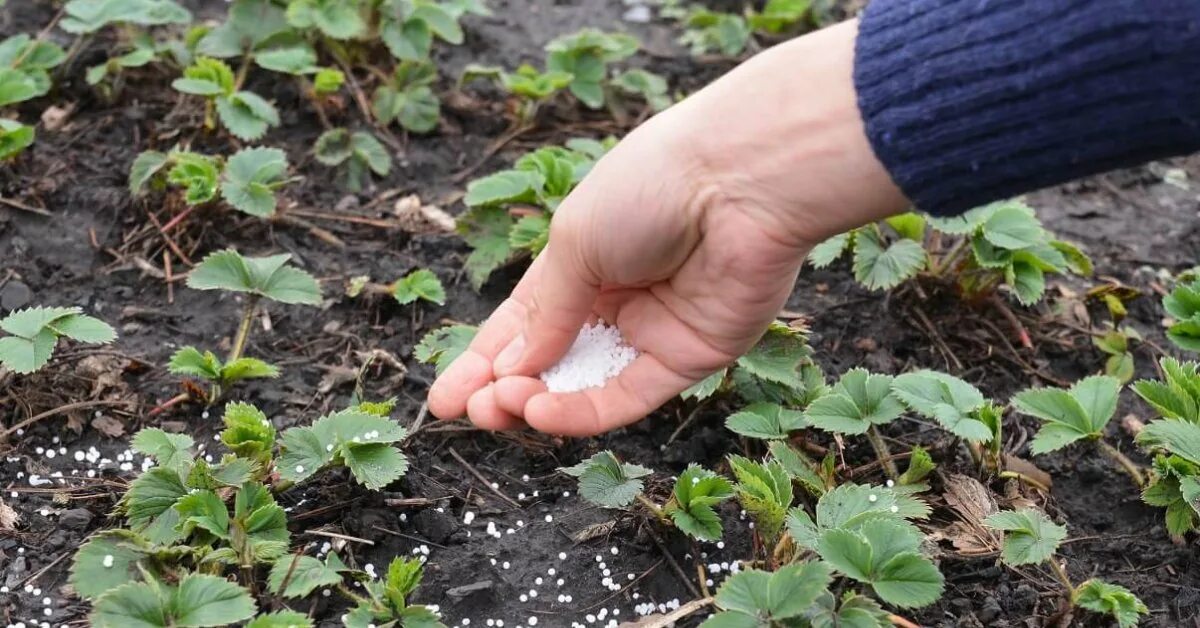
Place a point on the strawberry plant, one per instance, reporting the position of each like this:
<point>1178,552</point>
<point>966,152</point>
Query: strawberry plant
<point>857,404</point>
<point>1002,244</point>
<point>1183,304</point>
<point>1175,477</point>
<point>247,181</point>
<point>34,333</point>
<point>778,371</point>
<point>1031,538</point>
<point>25,65</point>
<point>707,31</point>
<point>420,284</point>
<point>358,439</point>
<point>260,277</point>
<point>957,406</point>
<point>585,55</point>
<point>14,138</point>
<point>527,84</point>
<point>407,97</point>
<point>765,492</point>
<point>609,483</point>
<point>442,346</point>
<point>355,155</point>
<point>246,115</point>
<point>1117,344</point>
<point>408,27</point>
<point>1078,413</point>
<point>386,603</point>
<point>510,210</point>
<point>578,62</point>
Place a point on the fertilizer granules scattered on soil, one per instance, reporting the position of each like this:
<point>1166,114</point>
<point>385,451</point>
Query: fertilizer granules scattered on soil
<point>598,355</point>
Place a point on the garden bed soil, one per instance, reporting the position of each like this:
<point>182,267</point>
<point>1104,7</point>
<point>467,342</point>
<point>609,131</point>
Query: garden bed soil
<point>93,248</point>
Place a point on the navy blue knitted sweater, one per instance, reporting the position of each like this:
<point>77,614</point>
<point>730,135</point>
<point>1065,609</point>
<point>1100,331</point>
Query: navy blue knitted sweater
<point>970,101</point>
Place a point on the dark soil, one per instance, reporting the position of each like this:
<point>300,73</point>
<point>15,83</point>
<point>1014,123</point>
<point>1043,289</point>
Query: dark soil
<point>96,247</point>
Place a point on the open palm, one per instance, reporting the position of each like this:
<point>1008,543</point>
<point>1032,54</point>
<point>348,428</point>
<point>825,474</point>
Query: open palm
<point>690,275</point>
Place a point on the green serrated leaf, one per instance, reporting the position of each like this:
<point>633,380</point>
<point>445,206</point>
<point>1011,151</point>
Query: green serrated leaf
<point>250,179</point>
<point>442,346</point>
<point>304,574</point>
<point>281,619</point>
<point>170,451</point>
<point>766,421</point>
<point>419,284</point>
<point>1030,536</point>
<point>106,561</point>
<point>1110,599</point>
<point>606,481</point>
<point>880,268</point>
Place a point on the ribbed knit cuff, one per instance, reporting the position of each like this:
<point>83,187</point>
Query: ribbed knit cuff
<point>971,101</point>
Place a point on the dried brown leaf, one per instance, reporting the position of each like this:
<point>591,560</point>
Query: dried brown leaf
<point>109,426</point>
<point>417,217</point>
<point>8,517</point>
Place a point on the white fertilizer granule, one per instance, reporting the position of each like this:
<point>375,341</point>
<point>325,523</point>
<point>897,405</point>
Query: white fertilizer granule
<point>598,355</point>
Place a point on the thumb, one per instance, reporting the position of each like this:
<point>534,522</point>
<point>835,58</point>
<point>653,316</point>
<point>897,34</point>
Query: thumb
<point>558,305</point>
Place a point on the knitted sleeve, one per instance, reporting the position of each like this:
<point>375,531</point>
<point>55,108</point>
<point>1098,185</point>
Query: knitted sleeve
<point>970,101</point>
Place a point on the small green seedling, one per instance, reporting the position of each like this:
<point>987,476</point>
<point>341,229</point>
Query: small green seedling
<point>585,55</point>
<point>1117,344</point>
<point>609,483</point>
<point>532,189</point>
<point>778,370</point>
<point>848,506</point>
<point>300,60</point>
<point>355,155</point>
<point>1031,538</point>
<point>442,346</point>
<point>244,114</point>
<point>420,284</point>
<point>88,16</point>
<point>691,507</point>
<point>707,31</point>
<point>957,406</point>
<point>1078,413</point>
<point>1183,304</point>
<point>1002,244</point>
<point>853,610</point>
<point>25,65</point>
<point>261,277</point>
<point>106,77</point>
<point>408,27</point>
<point>759,598</point>
<point>646,85</point>
<point>765,492</point>
<point>196,600</point>
<point>357,439</point>
<point>35,332</point>
<point>386,603</point>
<point>858,404</point>
<point>814,477</point>
<point>1177,397</point>
<point>1175,483</point>
<point>14,138</point>
<point>766,421</point>
<point>531,87</point>
<point>247,181</point>
<point>408,98</point>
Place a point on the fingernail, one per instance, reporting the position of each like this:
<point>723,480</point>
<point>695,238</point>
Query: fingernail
<point>508,358</point>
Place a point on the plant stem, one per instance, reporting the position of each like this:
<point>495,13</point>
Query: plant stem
<point>950,257</point>
<point>1127,465</point>
<point>243,332</point>
<point>1026,479</point>
<point>882,452</point>
<point>652,507</point>
<point>1061,574</point>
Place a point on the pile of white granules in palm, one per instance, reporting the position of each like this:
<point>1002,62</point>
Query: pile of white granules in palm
<point>597,356</point>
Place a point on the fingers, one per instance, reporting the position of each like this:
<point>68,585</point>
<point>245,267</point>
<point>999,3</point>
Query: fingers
<point>642,387</point>
<point>486,414</point>
<point>473,369</point>
<point>558,304</point>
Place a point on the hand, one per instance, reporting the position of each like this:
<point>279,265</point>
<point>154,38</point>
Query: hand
<point>688,236</point>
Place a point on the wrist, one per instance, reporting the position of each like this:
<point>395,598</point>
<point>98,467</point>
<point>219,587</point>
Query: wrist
<point>782,137</point>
